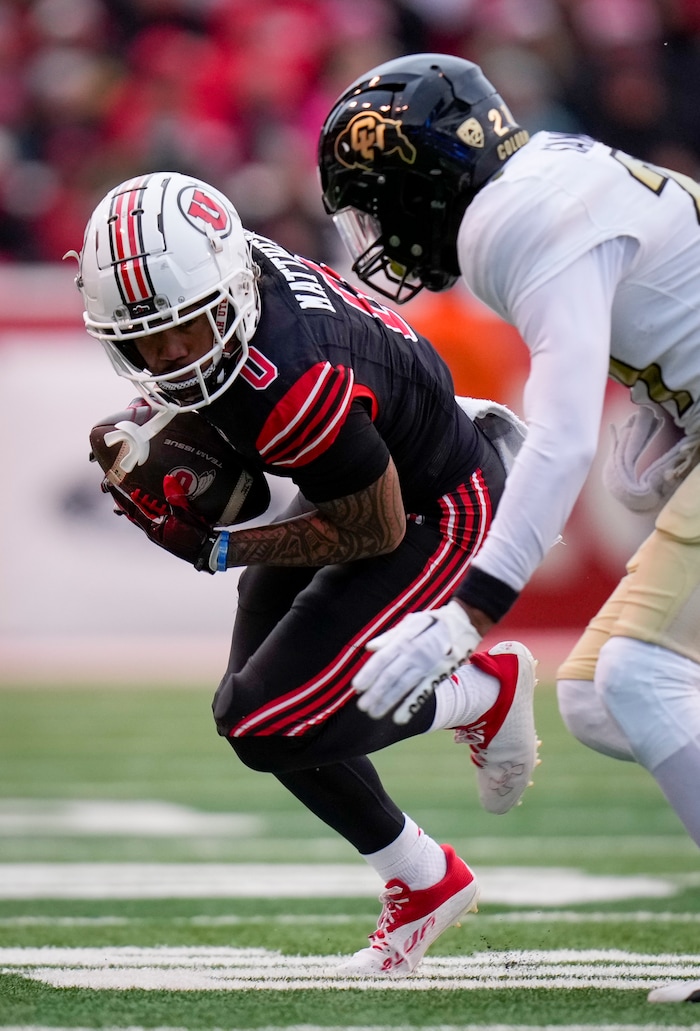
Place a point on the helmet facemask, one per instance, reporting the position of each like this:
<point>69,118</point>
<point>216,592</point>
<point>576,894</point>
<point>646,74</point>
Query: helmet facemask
<point>396,249</point>
<point>362,235</point>
<point>206,377</point>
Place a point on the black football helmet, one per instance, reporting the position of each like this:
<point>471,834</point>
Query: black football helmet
<point>402,153</point>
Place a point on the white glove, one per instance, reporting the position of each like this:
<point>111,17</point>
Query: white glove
<point>412,658</point>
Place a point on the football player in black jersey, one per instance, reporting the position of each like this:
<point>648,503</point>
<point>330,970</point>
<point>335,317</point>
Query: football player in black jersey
<point>310,379</point>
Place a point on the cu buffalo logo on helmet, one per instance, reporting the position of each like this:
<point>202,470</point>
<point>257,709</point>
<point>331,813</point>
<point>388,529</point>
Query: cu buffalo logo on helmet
<point>204,211</point>
<point>368,134</point>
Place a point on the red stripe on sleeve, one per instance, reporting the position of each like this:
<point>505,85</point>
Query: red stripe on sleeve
<point>307,420</point>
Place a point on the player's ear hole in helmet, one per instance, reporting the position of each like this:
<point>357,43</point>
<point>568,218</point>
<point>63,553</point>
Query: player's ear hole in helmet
<point>402,153</point>
<point>159,251</point>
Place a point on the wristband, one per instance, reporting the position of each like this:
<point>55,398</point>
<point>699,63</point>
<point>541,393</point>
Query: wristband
<point>486,593</point>
<point>222,552</point>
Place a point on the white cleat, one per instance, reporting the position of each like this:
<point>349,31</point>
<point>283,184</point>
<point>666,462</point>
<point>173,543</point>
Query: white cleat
<point>411,921</point>
<point>681,991</point>
<point>504,741</point>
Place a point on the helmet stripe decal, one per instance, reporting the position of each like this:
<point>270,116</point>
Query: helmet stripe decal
<point>126,242</point>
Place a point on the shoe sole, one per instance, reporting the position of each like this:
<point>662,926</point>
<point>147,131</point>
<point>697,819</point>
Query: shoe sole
<point>493,802</point>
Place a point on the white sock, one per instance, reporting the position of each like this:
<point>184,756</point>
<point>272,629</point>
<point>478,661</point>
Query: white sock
<point>465,696</point>
<point>678,777</point>
<point>413,858</point>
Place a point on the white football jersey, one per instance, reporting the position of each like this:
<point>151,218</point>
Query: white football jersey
<point>594,256</point>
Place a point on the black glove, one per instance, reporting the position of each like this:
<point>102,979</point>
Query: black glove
<point>173,524</point>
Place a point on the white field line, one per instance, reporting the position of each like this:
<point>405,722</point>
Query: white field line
<point>551,887</point>
<point>215,968</point>
<point>23,818</point>
<point>116,818</point>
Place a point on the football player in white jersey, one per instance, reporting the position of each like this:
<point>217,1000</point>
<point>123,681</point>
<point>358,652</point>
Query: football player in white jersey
<point>593,256</point>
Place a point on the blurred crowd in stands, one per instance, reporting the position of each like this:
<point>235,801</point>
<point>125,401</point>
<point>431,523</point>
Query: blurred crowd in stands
<point>235,91</point>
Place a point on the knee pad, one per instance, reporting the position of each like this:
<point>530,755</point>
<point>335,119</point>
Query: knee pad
<point>586,717</point>
<point>653,695</point>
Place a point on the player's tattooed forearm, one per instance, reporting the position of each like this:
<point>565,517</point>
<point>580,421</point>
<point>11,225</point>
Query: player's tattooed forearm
<point>373,517</point>
<point>357,526</point>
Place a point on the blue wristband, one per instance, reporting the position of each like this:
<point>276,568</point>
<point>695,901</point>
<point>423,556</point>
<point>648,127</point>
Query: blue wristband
<point>222,552</point>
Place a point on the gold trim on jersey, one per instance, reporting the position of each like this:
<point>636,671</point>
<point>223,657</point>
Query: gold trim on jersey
<point>652,379</point>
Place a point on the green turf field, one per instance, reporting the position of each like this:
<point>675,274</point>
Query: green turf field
<point>149,880</point>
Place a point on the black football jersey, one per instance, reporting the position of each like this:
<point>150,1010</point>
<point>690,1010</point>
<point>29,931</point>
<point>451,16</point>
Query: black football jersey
<point>335,383</point>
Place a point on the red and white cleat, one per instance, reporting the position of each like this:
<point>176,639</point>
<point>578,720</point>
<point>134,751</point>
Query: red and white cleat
<point>411,921</point>
<point>504,741</point>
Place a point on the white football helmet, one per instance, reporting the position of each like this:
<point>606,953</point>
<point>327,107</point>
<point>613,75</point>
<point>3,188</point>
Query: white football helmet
<point>159,250</point>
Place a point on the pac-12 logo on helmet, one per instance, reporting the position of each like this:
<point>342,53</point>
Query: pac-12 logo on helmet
<point>204,211</point>
<point>368,132</point>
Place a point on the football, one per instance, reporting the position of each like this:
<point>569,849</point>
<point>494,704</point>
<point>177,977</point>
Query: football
<point>219,486</point>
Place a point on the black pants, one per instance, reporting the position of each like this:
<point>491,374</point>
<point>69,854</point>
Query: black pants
<point>286,703</point>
